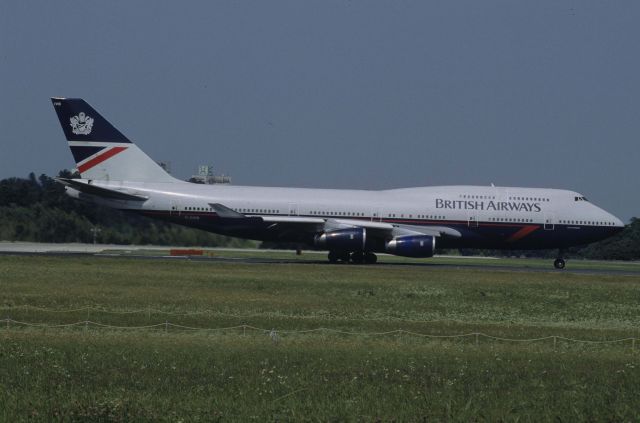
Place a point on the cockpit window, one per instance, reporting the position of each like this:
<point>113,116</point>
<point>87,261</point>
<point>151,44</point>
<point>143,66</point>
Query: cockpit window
<point>581,199</point>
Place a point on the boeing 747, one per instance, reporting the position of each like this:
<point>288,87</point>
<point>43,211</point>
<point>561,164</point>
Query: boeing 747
<point>353,225</point>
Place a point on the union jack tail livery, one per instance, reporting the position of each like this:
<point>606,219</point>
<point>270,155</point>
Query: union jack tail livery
<point>101,151</point>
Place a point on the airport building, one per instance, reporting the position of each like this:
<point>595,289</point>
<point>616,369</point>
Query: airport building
<point>207,176</point>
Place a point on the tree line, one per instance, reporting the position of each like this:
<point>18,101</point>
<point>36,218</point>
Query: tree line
<point>37,209</point>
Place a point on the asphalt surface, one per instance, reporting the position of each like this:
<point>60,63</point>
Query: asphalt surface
<point>426,264</point>
<point>314,258</point>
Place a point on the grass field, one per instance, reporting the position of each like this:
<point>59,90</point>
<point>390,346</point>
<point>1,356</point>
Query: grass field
<point>352,371</point>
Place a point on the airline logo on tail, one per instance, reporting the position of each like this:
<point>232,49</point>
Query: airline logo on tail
<point>81,124</point>
<point>88,157</point>
<point>100,151</point>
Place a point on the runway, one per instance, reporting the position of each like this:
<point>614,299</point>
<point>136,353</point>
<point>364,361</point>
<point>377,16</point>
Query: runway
<point>433,265</point>
<point>279,257</point>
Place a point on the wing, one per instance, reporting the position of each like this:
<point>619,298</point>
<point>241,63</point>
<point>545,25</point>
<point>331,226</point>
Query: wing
<point>284,226</point>
<point>426,230</point>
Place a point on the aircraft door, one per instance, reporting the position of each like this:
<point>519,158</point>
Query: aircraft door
<point>472,221</point>
<point>174,208</point>
<point>376,216</point>
<point>549,222</point>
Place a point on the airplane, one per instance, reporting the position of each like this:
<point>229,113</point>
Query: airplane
<point>353,225</point>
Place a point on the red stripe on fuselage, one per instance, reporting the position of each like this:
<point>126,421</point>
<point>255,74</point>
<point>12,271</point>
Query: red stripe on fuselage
<point>100,158</point>
<point>526,230</point>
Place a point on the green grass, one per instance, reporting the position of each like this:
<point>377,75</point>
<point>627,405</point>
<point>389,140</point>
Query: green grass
<point>91,373</point>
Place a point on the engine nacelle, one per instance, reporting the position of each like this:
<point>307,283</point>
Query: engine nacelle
<point>350,239</point>
<point>419,246</point>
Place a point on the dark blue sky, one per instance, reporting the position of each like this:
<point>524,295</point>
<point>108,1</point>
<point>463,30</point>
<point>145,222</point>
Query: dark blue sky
<point>344,94</point>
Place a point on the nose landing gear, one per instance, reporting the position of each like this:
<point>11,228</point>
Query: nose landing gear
<point>559,263</point>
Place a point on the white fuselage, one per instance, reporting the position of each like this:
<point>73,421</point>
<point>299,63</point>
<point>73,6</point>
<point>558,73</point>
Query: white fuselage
<point>485,216</point>
<point>448,203</point>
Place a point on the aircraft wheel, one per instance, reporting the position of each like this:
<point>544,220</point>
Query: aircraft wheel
<point>333,257</point>
<point>370,258</point>
<point>357,257</point>
<point>559,263</point>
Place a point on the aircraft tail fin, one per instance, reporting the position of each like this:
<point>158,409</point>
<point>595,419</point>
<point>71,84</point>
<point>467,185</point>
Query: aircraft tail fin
<point>101,151</point>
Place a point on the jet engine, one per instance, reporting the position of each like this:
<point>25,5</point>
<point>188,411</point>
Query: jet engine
<point>350,239</point>
<point>419,246</point>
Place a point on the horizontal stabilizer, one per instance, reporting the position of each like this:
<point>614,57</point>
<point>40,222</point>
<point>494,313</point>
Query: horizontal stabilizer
<point>100,191</point>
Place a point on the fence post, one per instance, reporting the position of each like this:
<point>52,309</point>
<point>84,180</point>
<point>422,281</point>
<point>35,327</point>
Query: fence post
<point>244,330</point>
<point>7,319</point>
<point>166,325</point>
<point>555,341</point>
<point>633,344</point>
<point>476,339</point>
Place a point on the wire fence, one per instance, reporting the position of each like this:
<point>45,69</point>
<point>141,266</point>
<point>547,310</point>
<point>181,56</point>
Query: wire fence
<point>149,311</point>
<point>275,334</point>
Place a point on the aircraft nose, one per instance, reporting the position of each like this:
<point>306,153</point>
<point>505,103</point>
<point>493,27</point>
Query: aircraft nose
<point>618,223</point>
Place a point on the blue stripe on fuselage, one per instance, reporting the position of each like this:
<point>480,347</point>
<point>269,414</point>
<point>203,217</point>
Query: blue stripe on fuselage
<point>495,235</point>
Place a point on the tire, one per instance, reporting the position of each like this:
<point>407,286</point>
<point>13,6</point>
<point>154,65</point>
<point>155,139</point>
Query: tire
<point>357,257</point>
<point>559,264</point>
<point>370,258</point>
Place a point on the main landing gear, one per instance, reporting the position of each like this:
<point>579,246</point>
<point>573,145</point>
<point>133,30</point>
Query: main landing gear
<point>559,263</point>
<point>357,257</point>
<point>370,258</point>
